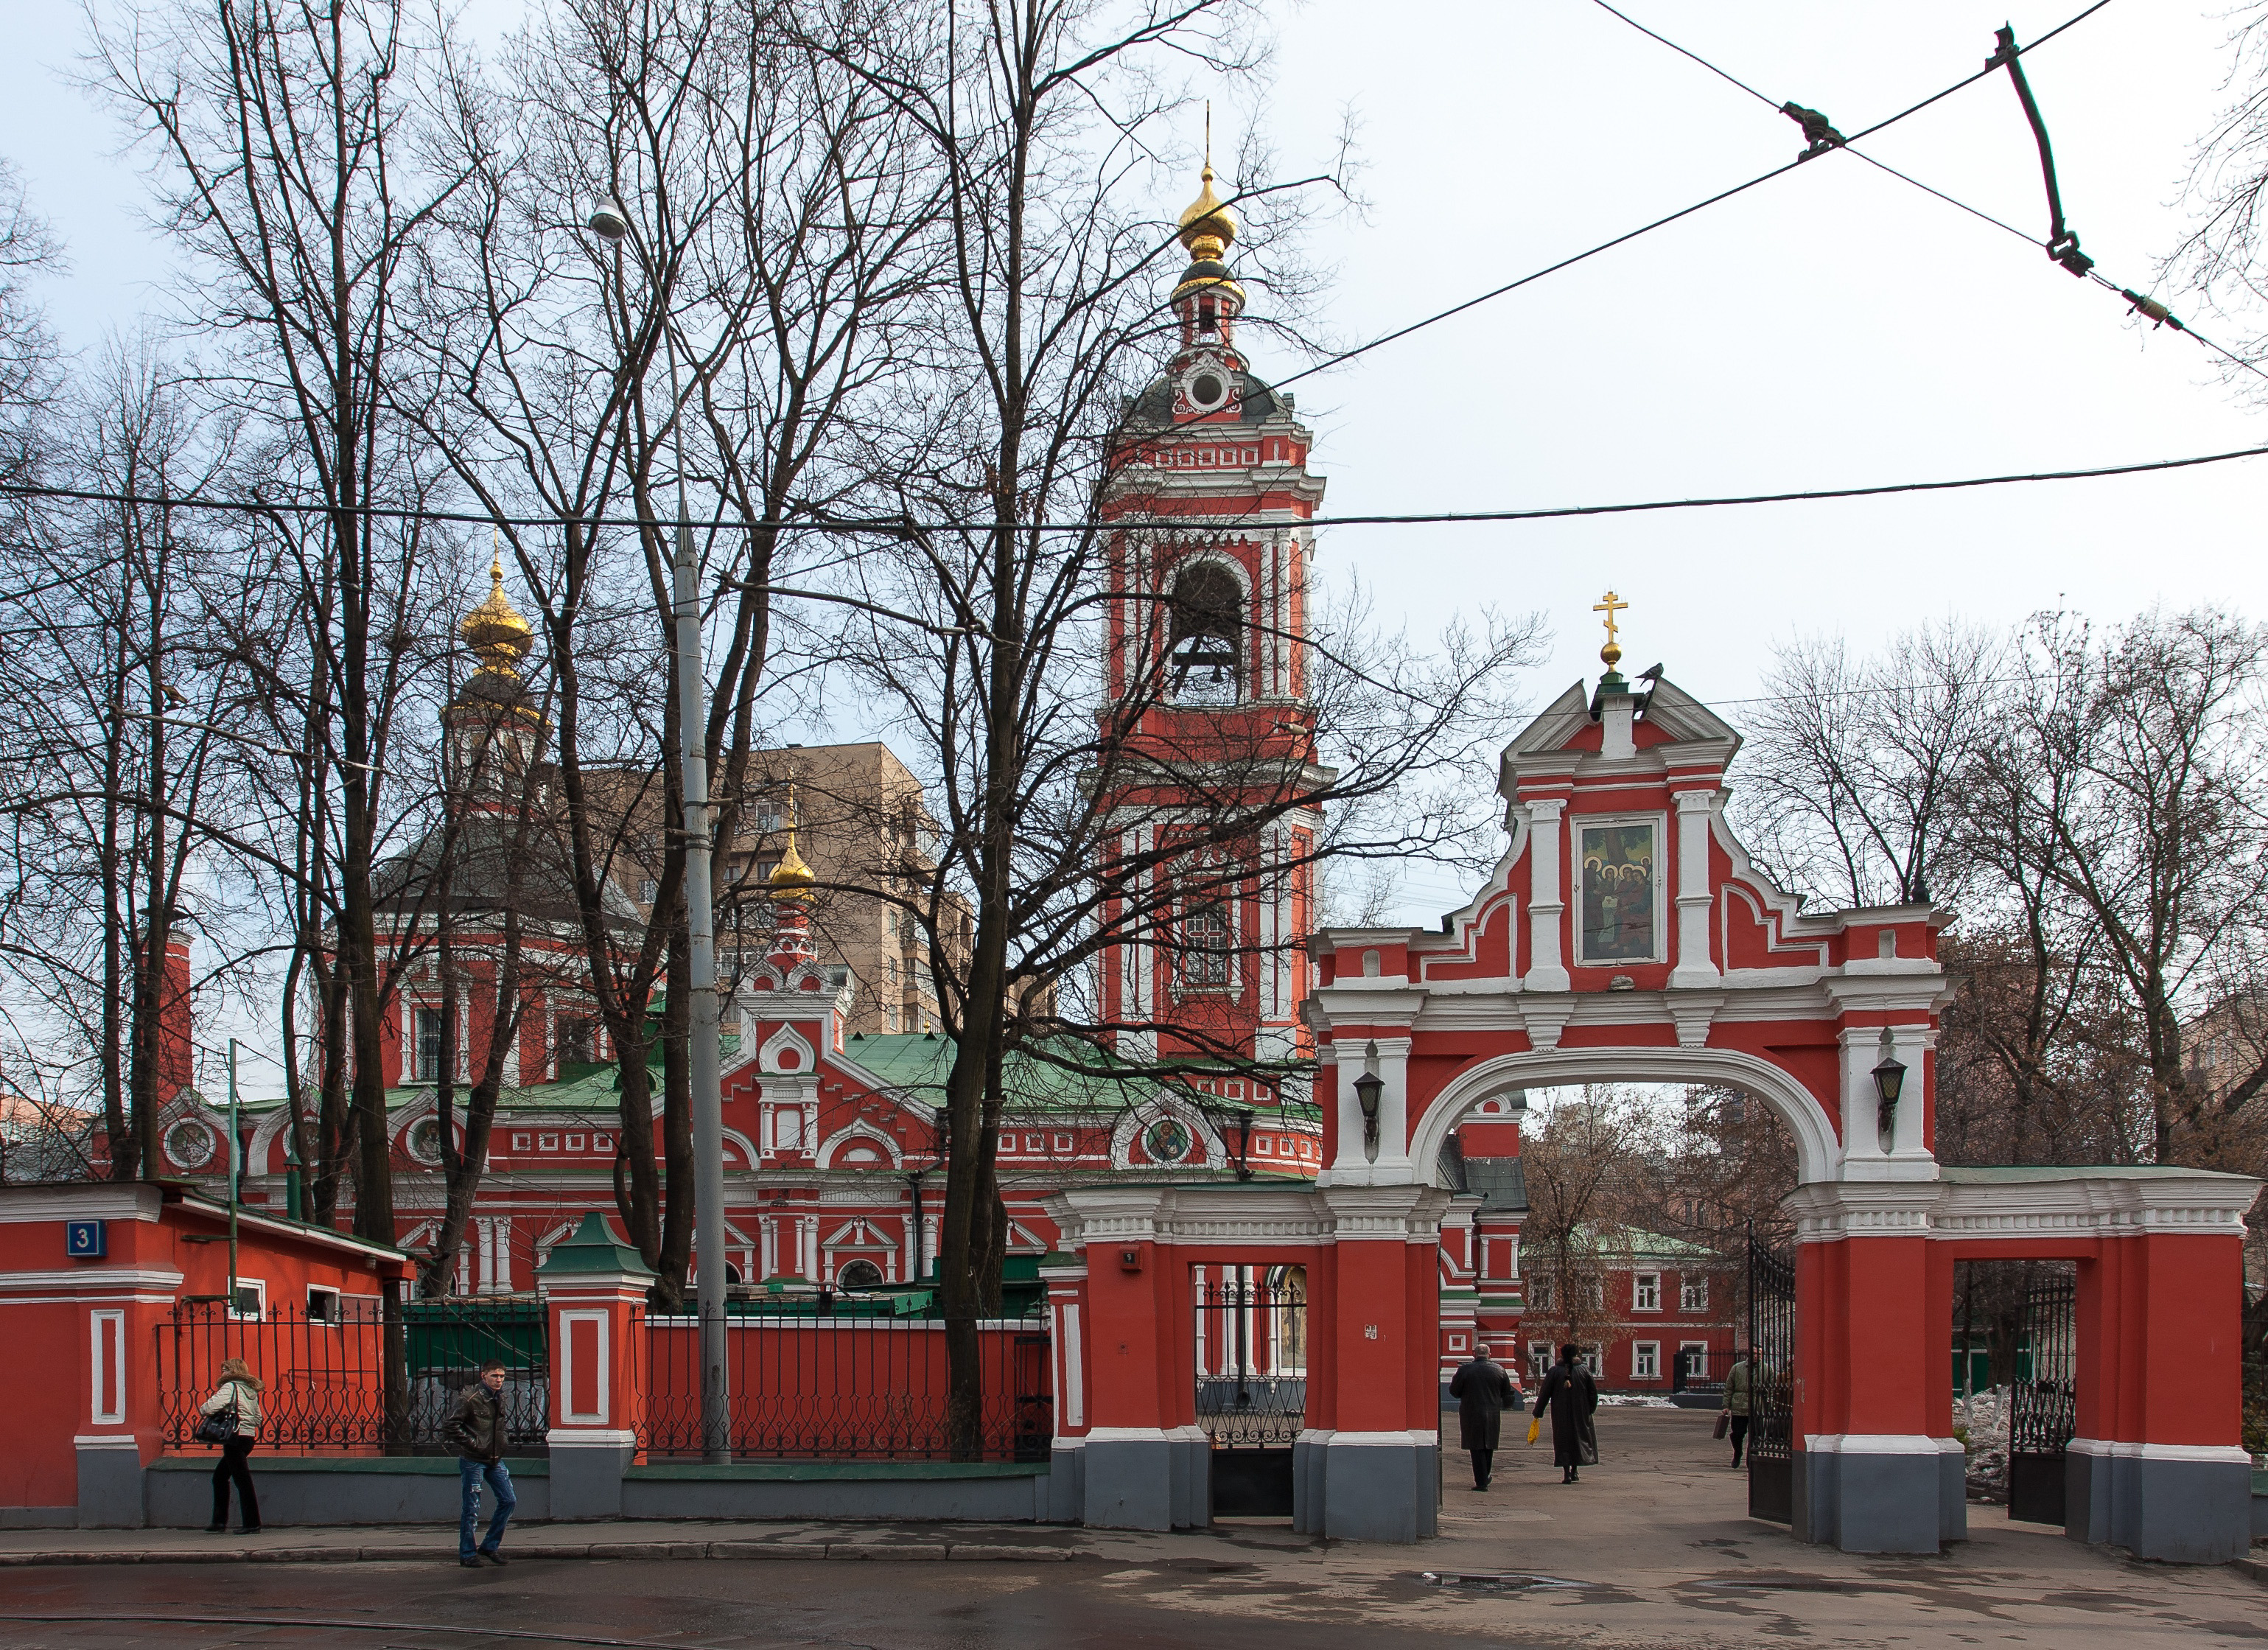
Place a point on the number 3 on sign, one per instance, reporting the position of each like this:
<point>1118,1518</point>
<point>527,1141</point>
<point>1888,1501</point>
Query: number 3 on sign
<point>86,1240</point>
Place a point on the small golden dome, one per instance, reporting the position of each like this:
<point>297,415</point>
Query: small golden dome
<point>1207,226</point>
<point>495,630</point>
<point>791,880</point>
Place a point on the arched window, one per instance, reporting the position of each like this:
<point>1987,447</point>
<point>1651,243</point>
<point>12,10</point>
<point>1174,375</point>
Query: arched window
<point>860,1275</point>
<point>1207,619</point>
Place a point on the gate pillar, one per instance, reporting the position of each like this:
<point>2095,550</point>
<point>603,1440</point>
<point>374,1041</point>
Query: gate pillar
<point>1868,1476</point>
<point>2156,1467</point>
<point>1369,1468</point>
<point>1143,1463</point>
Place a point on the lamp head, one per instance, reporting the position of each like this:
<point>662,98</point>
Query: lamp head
<point>609,222</point>
<point>1889,1080</point>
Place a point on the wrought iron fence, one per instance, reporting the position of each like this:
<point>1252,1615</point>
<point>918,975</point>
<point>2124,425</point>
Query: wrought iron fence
<point>356,1375</point>
<point>1251,1355</point>
<point>2043,1410</point>
<point>808,1386</point>
<point>1771,1390</point>
<point>1701,1369</point>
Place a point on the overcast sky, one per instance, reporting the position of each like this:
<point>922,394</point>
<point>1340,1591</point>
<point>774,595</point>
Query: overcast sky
<point>1833,327</point>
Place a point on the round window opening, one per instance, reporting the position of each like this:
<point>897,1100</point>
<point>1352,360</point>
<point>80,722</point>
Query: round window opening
<point>425,1140</point>
<point>1206,389</point>
<point>190,1145</point>
<point>1167,1142</point>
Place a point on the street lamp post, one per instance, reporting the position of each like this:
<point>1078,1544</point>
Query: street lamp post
<point>611,224</point>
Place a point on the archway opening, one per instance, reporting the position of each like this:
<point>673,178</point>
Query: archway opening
<point>1621,1219</point>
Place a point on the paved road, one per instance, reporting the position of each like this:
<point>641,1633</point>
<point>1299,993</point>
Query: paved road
<point>1651,1551</point>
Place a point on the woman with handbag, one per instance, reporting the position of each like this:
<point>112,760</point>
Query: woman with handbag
<point>232,1421</point>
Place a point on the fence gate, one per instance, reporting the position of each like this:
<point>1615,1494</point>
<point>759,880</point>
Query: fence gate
<point>1251,1383</point>
<point>1771,1381</point>
<point>2042,1410</point>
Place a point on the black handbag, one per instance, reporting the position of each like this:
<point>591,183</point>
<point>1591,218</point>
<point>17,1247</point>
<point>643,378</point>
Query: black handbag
<point>220,1425</point>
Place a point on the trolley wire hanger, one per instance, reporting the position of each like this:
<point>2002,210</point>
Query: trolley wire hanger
<point>2063,240</point>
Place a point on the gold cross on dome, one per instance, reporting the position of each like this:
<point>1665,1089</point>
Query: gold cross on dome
<point>1610,607</point>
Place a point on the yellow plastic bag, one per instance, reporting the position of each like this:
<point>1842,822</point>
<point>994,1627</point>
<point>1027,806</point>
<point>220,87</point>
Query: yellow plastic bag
<point>1535,1427</point>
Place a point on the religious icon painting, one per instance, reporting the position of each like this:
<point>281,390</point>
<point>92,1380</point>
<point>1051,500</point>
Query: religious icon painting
<point>1166,1141</point>
<point>1621,900</point>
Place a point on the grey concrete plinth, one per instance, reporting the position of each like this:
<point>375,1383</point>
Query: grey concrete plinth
<point>1374,1486</point>
<point>586,1473</point>
<point>110,1484</point>
<point>2160,1501</point>
<point>301,1492</point>
<point>1871,1500</point>
<point>1066,1480</point>
<point>1145,1478</point>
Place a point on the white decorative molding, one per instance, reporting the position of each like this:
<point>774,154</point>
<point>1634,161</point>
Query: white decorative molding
<point>1693,1012</point>
<point>2211,1455</point>
<point>1874,1444</point>
<point>2028,1205</point>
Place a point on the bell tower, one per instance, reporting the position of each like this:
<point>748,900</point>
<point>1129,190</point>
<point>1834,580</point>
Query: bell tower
<point>1207,500</point>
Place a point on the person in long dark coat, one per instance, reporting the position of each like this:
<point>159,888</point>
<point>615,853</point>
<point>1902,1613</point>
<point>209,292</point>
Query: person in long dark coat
<point>1482,1390</point>
<point>1571,1395</point>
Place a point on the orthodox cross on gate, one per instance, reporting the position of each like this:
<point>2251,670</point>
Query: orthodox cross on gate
<point>1611,654</point>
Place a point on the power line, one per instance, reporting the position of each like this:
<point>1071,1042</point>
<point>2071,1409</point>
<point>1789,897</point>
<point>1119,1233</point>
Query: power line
<point>1443,518</point>
<point>1645,229</point>
<point>2148,307</point>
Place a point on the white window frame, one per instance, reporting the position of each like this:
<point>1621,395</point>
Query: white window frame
<point>259,1289</point>
<point>1595,1360</point>
<point>1642,1285</point>
<point>336,1297</point>
<point>1693,1294</point>
<point>1701,1347</point>
<point>1645,1360</point>
<point>1541,1357</point>
<point>1660,824</point>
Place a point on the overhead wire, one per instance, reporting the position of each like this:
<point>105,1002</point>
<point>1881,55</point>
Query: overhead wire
<point>2147,307</point>
<point>1436,517</point>
<point>1345,356</point>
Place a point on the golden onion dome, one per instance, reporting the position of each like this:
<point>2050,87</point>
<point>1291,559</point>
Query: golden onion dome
<point>1207,226</point>
<point>791,880</point>
<point>495,630</point>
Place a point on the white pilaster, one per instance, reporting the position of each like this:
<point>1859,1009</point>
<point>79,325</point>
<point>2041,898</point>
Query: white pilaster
<point>1695,811</point>
<point>1546,897</point>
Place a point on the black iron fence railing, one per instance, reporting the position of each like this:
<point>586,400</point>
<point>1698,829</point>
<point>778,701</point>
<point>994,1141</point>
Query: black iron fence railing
<point>839,1388</point>
<point>1252,1357</point>
<point>356,1375</point>
<point>1700,1368</point>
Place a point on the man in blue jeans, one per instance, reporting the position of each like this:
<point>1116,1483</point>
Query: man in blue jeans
<point>476,1430</point>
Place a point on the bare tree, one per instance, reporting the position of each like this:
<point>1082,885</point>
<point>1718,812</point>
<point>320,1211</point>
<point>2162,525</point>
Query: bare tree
<point>2130,779</point>
<point>287,166</point>
<point>1853,769</point>
<point>1586,1164</point>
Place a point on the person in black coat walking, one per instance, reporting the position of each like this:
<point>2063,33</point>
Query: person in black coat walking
<point>1571,1395</point>
<point>1483,1391</point>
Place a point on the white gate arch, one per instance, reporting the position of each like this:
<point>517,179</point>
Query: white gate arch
<point>1818,1154</point>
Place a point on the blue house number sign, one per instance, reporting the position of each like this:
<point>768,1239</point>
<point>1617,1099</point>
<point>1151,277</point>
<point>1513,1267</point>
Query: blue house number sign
<point>86,1240</point>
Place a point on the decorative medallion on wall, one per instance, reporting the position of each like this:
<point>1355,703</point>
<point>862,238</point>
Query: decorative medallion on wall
<point>425,1140</point>
<point>190,1144</point>
<point>1166,1141</point>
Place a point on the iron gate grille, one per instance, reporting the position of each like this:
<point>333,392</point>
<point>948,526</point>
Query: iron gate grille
<point>1251,1381</point>
<point>2043,1410</point>
<point>1771,1381</point>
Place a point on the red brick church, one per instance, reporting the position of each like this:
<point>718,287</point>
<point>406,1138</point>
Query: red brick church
<point>832,1172</point>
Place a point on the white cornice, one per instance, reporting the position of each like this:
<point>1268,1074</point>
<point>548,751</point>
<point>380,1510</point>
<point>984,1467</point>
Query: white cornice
<point>2074,1204</point>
